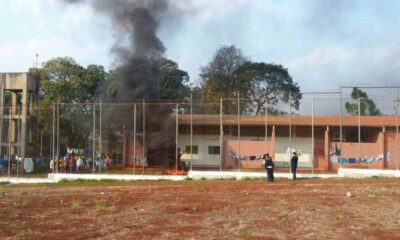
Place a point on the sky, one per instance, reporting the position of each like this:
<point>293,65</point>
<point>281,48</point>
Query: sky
<point>323,43</point>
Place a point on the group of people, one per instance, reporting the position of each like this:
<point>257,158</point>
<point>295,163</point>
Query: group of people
<point>269,166</point>
<point>72,163</point>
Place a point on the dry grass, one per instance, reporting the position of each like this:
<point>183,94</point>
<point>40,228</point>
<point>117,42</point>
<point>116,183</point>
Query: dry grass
<point>305,209</point>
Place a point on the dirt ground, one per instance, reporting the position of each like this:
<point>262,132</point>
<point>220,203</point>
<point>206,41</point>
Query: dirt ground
<point>225,209</point>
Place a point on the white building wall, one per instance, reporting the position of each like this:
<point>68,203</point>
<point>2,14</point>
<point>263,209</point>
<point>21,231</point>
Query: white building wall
<point>302,145</point>
<point>203,141</point>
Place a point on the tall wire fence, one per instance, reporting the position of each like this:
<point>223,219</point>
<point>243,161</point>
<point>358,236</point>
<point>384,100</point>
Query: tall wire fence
<point>327,130</point>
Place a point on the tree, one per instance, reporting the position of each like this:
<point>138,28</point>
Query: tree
<point>230,72</point>
<point>218,78</point>
<point>367,106</point>
<point>65,80</point>
<point>264,82</point>
<point>172,82</point>
<point>62,78</point>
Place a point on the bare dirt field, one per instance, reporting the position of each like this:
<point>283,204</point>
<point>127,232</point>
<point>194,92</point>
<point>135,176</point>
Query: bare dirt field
<point>252,209</point>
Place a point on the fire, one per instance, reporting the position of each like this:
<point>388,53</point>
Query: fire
<point>176,172</point>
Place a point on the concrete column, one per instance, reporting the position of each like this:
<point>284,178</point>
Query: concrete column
<point>14,121</point>
<point>24,123</point>
<point>383,147</point>
<point>327,164</point>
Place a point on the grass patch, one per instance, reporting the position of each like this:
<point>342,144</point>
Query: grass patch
<point>39,216</point>
<point>4,183</point>
<point>84,181</point>
<point>101,206</point>
<point>76,204</point>
<point>376,176</point>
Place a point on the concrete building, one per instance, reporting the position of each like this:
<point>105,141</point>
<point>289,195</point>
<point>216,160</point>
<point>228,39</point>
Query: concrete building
<point>19,95</point>
<point>367,142</point>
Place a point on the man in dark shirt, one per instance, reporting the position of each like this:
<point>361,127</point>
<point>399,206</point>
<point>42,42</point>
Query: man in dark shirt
<point>293,164</point>
<point>269,167</point>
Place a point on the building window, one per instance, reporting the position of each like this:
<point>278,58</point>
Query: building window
<point>194,147</point>
<point>213,150</point>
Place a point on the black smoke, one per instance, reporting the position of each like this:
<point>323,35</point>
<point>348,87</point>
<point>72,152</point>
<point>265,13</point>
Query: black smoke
<point>137,64</point>
<point>138,59</point>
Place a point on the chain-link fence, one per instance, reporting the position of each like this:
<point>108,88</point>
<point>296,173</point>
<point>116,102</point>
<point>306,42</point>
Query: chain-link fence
<point>327,130</point>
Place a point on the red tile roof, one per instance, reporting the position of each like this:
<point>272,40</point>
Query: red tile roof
<point>295,120</point>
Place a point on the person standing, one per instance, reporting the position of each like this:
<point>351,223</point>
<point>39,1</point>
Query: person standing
<point>269,167</point>
<point>293,164</point>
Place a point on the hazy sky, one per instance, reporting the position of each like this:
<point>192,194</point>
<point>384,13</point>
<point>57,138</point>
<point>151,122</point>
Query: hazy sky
<point>323,43</point>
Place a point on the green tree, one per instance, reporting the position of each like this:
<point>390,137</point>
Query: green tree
<point>218,79</point>
<point>367,106</point>
<point>262,82</point>
<point>65,80</point>
<point>172,82</point>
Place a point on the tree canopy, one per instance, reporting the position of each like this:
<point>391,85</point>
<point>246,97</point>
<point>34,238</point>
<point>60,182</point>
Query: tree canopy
<point>62,78</point>
<point>65,80</point>
<point>172,82</point>
<point>229,73</point>
<point>267,82</point>
<point>218,79</point>
<point>367,106</point>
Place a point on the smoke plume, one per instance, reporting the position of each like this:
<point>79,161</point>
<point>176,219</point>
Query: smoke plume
<point>138,60</point>
<point>137,63</point>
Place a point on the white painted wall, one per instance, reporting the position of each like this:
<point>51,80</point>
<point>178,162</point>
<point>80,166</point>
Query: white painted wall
<point>203,141</point>
<point>281,144</point>
<point>300,144</point>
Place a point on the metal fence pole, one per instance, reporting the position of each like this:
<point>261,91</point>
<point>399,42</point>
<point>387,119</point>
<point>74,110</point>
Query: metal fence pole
<point>397,126</point>
<point>144,136</point>
<point>359,127</point>
<point>100,147</point>
<point>176,137</point>
<point>58,134</point>
<point>266,125</point>
<point>341,130</point>
<point>290,135</point>
<point>312,134</point>
<point>19,140</point>
<point>221,139</point>
<point>94,138</point>
<point>54,137</point>
<point>9,142</point>
<point>134,139</point>
<point>238,108</point>
<point>191,131</point>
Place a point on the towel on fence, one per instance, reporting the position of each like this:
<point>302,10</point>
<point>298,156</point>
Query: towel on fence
<point>352,160</point>
<point>28,165</point>
<point>342,160</point>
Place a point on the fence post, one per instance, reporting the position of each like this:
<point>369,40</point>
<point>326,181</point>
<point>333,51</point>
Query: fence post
<point>290,134</point>
<point>58,134</point>
<point>134,138</point>
<point>100,147</point>
<point>238,109</point>
<point>397,126</point>
<point>144,136</point>
<point>94,138</point>
<point>191,131</point>
<point>176,137</point>
<point>221,138</point>
<point>53,156</point>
